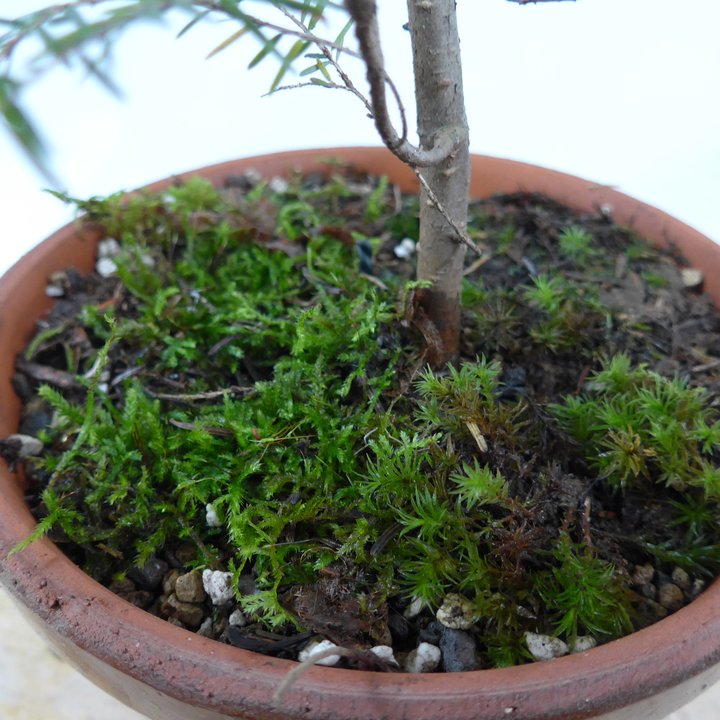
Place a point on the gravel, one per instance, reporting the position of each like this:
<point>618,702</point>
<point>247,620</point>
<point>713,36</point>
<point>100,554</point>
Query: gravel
<point>150,576</point>
<point>424,659</point>
<point>458,651</point>
<point>218,585</point>
<point>189,588</point>
<point>545,647</point>
<point>456,612</point>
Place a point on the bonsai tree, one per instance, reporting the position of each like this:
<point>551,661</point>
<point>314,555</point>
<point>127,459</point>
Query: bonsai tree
<point>440,159</point>
<point>453,472</point>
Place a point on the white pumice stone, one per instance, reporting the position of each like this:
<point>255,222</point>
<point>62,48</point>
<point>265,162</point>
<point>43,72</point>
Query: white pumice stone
<point>211,517</point>
<point>404,249</point>
<point>29,445</point>
<point>105,267</point>
<point>315,648</point>
<point>253,176</point>
<point>424,659</point>
<point>414,608</point>
<point>237,618</point>
<point>456,612</point>
<point>54,291</point>
<point>107,248</point>
<point>545,647</point>
<point>692,278</point>
<point>384,652</point>
<point>278,185</point>
<point>218,586</point>
<point>581,643</point>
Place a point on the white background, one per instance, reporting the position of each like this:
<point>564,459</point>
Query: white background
<point>623,92</point>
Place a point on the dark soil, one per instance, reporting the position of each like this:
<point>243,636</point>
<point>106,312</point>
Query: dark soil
<point>643,309</point>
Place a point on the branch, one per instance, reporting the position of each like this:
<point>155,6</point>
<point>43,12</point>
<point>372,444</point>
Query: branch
<point>462,236</point>
<point>364,13</point>
<point>325,49</point>
<point>303,34</point>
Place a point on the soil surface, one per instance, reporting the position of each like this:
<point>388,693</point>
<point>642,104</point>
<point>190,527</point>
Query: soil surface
<point>643,303</point>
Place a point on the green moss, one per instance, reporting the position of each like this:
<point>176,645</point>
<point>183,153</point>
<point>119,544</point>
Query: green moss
<point>267,377</point>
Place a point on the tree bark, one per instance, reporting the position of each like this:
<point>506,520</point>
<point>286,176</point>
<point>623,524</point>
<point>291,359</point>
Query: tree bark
<point>440,108</point>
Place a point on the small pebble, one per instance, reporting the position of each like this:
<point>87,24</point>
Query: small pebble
<point>187,613</point>
<point>169,580</point>
<point>670,596</point>
<point>404,249</point>
<point>211,517</point>
<point>649,612</point>
<point>57,284</point>
<point>184,554</point>
<point>424,659</point>
<point>252,176</point>
<point>37,416</point>
<point>189,588</point>
<point>28,446</point>
<point>649,591</point>
<point>414,608</point>
<point>122,586</point>
<point>545,647</point>
<point>247,585</point>
<point>456,612</point>
<point>643,574</point>
<point>681,579</point>
<point>218,585</point>
<point>278,185</point>
<point>458,651</point>
<point>692,278</point>
<point>237,618</point>
<point>582,643</point>
<point>105,267</point>
<point>147,260</point>
<point>150,575</point>
<point>107,248</point>
<point>206,628</point>
<point>431,632</point>
<point>315,647</point>
<point>54,291</point>
<point>139,598</point>
<point>698,586</point>
<point>384,652</point>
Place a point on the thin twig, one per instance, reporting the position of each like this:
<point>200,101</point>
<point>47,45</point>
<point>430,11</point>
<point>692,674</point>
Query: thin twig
<point>303,34</point>
<point>191,397</point>
<point>461,234</point>
<point>296,673</point>
<point>325,48</point>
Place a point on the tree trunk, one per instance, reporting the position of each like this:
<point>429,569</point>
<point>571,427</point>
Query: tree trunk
<point>440,106</point>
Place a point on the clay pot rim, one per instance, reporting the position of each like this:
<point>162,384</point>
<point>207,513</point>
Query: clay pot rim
<point>49,585</point>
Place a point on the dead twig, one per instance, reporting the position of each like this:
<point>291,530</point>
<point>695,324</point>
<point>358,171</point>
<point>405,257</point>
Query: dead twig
<point>194,397</point>
<point>296,673</point>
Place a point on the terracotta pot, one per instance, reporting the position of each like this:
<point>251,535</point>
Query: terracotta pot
<point>165,672</point>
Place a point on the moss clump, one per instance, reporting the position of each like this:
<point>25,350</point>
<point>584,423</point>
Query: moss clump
<point>634,425</point>
<point>244,361</point>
